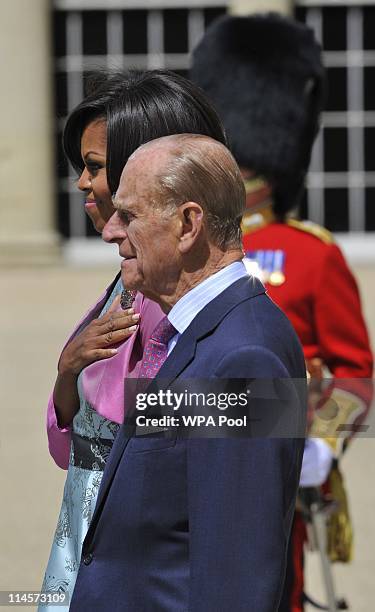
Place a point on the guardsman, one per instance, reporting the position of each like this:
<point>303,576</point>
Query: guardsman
<point>265,76</point>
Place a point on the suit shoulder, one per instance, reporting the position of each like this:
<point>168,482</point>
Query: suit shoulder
<point>313,229</point>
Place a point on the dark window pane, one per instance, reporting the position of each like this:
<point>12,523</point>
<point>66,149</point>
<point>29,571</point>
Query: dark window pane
<point>300,13</point>
<point>210,14</point>
<point>94,32</point>
<point>336,90</point>
<point>59,33</point>
<point>175,31</point>
<point>335,149</point>
<point>60,159</point>
<point>368,27</point>
<point>63,220</point>
<point>369,74</point>
<point>336,217</point>
<point>370,149</point>
<point>334,28</point>
<point>135,31</point>
<point>61,102</point>
<point>370,209</point>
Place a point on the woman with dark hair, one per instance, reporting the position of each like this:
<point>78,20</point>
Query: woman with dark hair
<point>121,112</point>
<point>138,107</point>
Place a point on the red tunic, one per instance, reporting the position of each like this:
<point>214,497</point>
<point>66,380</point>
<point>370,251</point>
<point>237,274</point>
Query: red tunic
<point>320,297</point>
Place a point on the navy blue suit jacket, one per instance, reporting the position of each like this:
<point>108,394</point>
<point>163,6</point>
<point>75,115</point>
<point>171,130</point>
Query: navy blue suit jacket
<point>200,525</point>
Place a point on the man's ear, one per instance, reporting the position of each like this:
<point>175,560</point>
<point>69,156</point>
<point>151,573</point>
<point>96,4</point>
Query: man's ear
<point>191,218</point>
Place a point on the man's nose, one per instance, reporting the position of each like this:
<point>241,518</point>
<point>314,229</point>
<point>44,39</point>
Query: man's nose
<point>84,182</point>
<point>114,230</point>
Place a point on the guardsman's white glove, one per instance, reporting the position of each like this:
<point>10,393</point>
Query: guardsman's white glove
<point>316,463</point>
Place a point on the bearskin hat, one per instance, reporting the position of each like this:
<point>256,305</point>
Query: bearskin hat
<point>264,74</point>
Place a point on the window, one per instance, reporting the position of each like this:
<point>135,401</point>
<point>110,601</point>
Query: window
<point>139,37</point>
<point>342,172</point>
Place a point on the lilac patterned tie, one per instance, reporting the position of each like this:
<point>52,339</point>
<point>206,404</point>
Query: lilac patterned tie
<point>156,349</point>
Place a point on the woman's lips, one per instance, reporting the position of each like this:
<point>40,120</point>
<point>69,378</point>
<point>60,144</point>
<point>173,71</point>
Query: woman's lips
<point>90,204</point>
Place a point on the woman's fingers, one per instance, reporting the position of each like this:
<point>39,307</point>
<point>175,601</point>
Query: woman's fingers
<point>118,321</point>
<point>91,344</point>
<point>113,337</point>
<point>106,339</point>
<point>113,330</point>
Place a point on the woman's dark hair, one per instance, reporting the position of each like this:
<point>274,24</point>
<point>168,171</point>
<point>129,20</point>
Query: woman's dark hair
<point>138,107</point>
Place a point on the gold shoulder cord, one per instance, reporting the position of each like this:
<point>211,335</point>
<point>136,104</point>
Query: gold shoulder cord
<point>313,229</point>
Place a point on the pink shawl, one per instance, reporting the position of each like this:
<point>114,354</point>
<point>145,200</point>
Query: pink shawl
<point>103,381</point>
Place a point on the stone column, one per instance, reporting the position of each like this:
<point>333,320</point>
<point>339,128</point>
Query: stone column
<point>27,234</point>
<point>243,7</point>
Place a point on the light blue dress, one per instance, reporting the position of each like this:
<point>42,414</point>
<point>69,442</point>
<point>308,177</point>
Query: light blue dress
<point>92,439</point>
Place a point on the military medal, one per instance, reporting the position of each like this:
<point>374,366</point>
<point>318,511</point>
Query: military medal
<point>277,276</point>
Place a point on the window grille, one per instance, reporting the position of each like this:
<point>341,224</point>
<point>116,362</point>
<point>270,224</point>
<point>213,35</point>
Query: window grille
<point>341,182</point>
<point>88,39</point>
<point>90,34</point>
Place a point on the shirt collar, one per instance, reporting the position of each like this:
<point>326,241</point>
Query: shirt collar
<point>187,308</point>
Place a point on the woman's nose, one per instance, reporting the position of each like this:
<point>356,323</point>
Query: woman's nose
<point>84,182</point>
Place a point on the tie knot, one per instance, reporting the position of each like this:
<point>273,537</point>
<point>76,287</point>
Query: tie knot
<point>164,331</point>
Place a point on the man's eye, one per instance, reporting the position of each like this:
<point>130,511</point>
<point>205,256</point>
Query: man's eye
<point>125,216</point>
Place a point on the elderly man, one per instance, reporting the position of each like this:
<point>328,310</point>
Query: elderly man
<point>184,524</point>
